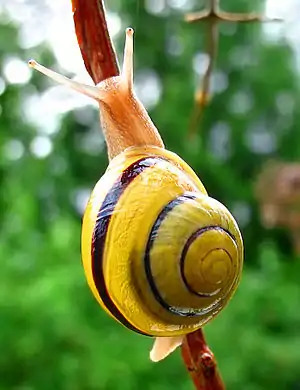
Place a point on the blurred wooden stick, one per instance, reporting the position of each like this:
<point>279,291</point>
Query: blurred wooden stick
<point>201,363</point>
<point>213,15</point>
<point>202,95</point>
<point>100,61</point>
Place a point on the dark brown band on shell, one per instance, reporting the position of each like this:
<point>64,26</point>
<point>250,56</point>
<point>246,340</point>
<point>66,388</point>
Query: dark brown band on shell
<point>101,228</point>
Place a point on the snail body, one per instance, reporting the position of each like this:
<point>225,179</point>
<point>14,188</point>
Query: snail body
<point>160,256</point>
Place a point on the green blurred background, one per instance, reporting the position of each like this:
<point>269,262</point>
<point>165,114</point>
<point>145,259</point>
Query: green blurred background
<point>53,335</point>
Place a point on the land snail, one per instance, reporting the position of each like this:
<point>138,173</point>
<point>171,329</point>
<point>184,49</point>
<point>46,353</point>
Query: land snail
<point>160,256</point>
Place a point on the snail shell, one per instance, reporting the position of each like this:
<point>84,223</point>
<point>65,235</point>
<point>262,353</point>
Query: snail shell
<point>159,254</point>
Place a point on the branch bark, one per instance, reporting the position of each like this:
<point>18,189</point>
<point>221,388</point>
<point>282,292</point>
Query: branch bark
<point>201,363</point>
<point>94,40</point>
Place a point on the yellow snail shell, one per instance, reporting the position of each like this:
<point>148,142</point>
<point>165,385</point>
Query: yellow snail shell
<point>159,254</point>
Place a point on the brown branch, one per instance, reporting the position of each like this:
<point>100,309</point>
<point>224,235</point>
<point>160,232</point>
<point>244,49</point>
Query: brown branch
<point>213,15</point>
<point>201,363</point>
<point>93,39</point>
<point>221,16</point>
<point>245,18</point>
<point>213,12</point>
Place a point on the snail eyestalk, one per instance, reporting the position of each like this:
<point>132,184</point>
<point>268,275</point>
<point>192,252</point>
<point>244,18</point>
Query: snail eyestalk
<point>85,89</point>
<point>97,92</point>
<point>127,71</point>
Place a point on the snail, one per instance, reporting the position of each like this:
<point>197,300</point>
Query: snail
<point>160,256</point>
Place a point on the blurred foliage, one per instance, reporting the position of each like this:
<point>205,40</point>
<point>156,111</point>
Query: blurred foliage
<point>53,335</point>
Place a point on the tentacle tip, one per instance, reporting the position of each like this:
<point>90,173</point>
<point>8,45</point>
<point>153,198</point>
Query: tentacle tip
<point>32,63</point>
<point>129,31</point>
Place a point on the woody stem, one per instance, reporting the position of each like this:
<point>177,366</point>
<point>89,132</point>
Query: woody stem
<point>201,363</point>
<point>213,12</point>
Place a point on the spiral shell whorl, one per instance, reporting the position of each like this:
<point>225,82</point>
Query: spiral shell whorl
<point>205,274</point>
<point>203,257</point>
